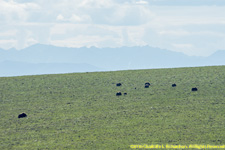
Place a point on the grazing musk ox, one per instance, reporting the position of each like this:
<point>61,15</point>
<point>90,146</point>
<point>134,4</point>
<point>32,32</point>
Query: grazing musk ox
<point>174,85</point>
<point>194,89</point>
<point>118,94</point>
<point>22,115</point>
<point>118,84</point>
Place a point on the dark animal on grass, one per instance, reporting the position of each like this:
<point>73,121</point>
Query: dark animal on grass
<point>194,89</point>
<point>147,83</point>
<point>23,115</point>
<point>118,84</point>
<point>146,86</point>
<point>174,85</point>
<point>118,94</point>
<point>124,93</point>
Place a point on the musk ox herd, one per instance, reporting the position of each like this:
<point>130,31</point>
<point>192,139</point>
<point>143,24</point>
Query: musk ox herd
<point>147,84</point>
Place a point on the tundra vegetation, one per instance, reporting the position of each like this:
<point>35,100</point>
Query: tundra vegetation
<point>82,111</point>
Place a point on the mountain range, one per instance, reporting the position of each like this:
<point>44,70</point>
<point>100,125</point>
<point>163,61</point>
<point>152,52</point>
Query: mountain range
<point>48,59</point>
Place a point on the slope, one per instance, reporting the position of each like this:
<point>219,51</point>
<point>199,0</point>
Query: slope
<point>82,111</point>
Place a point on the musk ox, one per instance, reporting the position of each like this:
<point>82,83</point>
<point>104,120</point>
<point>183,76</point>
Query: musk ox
<point>124,93</point>
<point>147,83</point>
<point>118,94</point>
<point>174,85</point>
<point>194,89</point>
<point>23,115</point>
<point>146,86</point>
<point>118,84</point>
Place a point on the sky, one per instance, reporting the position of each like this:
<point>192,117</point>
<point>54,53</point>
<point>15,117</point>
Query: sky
<point>194,27</point>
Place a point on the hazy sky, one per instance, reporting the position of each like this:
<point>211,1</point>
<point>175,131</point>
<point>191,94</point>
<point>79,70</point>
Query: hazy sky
<point>195,27</point>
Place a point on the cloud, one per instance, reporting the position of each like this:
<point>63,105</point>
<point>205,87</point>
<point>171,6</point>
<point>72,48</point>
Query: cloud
<point>142,2</point>
<point>80,19</point>
<point>8,33</point>
<point>193,28</point>
<point>7,44</point>
<point>31,41</point>
<point>12,11</point>
<point>79,41</point>
<point>174,33</point>
<point>96,4</point>
<point>60,17</point>
<point>182,46</point>
<point>187,2</point>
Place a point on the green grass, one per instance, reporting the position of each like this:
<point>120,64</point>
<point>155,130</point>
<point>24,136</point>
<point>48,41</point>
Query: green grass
<point>81,110</point>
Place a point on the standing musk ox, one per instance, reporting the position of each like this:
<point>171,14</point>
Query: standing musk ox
<point>147,83</point>
<point>194,89</point>
<point>124,93</point>
<point>174,85</point>
<point>23,115</point>
<point>118,84</point>
<point>146,86</point>
<point>118,94</point>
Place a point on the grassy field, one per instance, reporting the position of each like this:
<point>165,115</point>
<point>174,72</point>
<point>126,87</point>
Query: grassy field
<point>81,110</point>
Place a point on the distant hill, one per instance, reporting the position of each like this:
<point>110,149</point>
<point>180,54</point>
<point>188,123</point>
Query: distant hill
<point>10,68</point>
<point>123,58</point>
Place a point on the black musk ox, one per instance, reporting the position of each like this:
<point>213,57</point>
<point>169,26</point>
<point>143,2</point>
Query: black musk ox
<point>118,94</point>
<point>174,85</point>
<point>118,84</point>
<point>124,93</point>
<point>23,115</point>
<point>194,89</point>
<point>147,83</point>
<point>146,86</point>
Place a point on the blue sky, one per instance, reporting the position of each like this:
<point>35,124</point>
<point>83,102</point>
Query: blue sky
<point>194,27</point>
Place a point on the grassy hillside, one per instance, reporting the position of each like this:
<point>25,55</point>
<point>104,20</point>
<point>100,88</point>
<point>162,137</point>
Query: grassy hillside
<point>82,111</point>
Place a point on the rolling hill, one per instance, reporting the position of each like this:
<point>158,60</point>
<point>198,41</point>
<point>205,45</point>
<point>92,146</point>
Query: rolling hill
<point>82,111</point>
